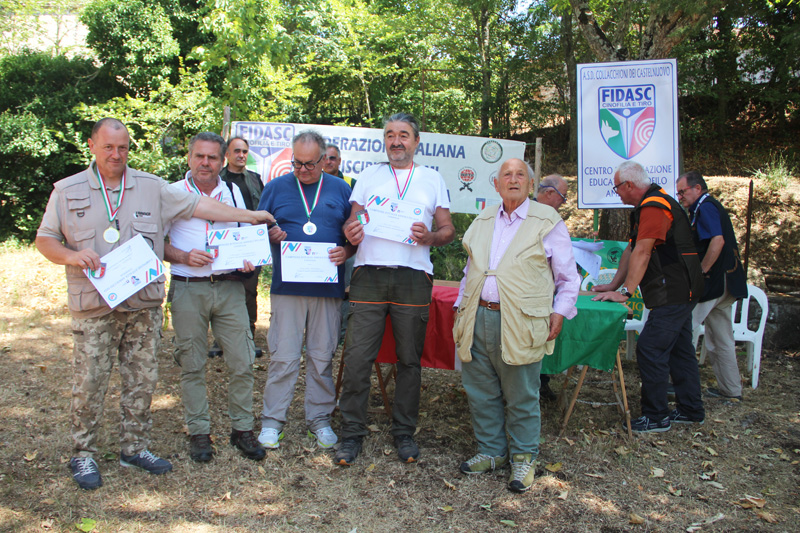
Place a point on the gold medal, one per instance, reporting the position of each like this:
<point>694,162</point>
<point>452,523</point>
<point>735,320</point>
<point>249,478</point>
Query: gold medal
<point>111,235</point>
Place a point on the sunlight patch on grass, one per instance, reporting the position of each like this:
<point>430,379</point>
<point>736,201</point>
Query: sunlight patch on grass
<point>599,505</point>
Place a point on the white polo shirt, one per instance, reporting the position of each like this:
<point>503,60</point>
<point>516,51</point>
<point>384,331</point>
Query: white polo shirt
<point>427,188</point>
<point>191,233</point>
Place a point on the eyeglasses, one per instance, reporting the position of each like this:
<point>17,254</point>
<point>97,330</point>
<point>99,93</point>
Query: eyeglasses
<point>309,165</point>
<point>564,198</point>
<point>615,187</point>
<point>681,191</point>
<point>331,157</point>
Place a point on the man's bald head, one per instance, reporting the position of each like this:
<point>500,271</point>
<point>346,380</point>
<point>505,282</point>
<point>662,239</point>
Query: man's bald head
<point>552,191</point>
<point>108,122</point>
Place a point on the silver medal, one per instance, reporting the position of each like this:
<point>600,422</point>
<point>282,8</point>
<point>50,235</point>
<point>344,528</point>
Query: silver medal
<point>309,228</point>
<point>111,235</point>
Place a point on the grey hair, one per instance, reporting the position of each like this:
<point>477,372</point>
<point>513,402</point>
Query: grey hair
<point>552,180</point>
<point>310,136</point>
<point>693,178</point>
<point>113,123</point>
<point>210,137</point>
<point>635,173</point>
<point>238,138</point>
<point>403,117</point>
<point>331,145</point>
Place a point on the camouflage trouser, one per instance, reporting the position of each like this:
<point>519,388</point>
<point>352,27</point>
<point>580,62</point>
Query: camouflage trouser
<point>135,338</point>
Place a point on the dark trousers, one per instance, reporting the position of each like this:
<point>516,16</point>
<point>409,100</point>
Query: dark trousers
<point>665,349</point>
<point>404,294</point>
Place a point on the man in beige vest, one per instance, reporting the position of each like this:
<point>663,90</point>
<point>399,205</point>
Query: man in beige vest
<point>89,215</point>
<point>520,283</point>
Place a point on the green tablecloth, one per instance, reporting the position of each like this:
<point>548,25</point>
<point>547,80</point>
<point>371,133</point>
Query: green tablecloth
<point>591,338</point>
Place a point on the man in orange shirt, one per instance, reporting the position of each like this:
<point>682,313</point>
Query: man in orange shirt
<point>662,260</point>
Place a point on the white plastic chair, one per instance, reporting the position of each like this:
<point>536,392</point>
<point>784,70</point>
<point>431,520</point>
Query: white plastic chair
<point>605,275</point>
<point>742,333</point>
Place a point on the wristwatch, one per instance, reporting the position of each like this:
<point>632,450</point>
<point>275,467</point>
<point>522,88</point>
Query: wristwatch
<point>626,292</point>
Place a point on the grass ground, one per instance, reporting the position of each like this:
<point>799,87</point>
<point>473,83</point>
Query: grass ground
<point>738,472</point>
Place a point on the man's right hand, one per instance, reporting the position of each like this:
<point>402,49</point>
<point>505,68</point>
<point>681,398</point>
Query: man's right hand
<point>86,258</point>
<point>354,231</point>
<point>198,258</point>
<point>605,287</point>
<point>276,234</point>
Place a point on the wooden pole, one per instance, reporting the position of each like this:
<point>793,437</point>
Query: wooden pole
<point>226,122</point>
<point>537,164</point>
<point>747,232</point>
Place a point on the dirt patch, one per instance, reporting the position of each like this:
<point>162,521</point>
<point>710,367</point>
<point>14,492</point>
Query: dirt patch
<point>594,480</point>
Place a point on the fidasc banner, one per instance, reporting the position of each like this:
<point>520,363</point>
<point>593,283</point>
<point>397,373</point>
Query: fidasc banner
<point>627,111</point>
<point>468,164</point>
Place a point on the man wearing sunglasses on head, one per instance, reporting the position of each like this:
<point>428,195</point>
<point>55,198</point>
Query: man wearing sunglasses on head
<point>312,207</point>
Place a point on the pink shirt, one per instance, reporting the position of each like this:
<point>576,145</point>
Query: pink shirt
<point>562,263</point>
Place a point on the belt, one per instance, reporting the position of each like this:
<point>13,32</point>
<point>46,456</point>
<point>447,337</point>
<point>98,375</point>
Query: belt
<point>491,306</point>
<point>213,278</point>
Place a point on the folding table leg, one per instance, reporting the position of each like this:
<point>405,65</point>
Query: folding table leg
<point>574,399</point>
<point>624,396</point>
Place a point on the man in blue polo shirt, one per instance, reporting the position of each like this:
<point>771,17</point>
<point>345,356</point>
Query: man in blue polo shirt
<point>309,206</point>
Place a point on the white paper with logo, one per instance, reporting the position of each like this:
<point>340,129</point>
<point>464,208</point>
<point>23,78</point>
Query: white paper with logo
<point>232,246</point>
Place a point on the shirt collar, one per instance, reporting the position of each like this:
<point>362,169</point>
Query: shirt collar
<point>519,212</point>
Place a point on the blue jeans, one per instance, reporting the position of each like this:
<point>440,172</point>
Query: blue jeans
<point>501,397</point>
<point>665,349</point>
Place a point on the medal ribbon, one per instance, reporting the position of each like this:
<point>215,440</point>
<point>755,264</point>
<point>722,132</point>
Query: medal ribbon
<point>401,194</point>
<point>308,209</point>
<point>191,187</point>
<point>697,208</point>
<point>111,212</point>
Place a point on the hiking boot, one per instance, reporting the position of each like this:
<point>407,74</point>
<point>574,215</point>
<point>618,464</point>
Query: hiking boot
<point>546,394</point>
<point>85,472</point>
<point>677,417</point>
<point>325,437</point>
<point>522,472</point>
<point>645,425</point>
<point>407,449</point>
<point>716,393</point>
<point>146,461</point>
<point>200,449</point>
<point>348,451</point>
<point>270,438</point>
<point>483,463</point>
<point>247,444</point>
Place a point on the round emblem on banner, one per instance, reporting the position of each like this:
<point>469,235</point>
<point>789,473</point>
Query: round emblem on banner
<point>467,177</point>
<point>491,151</point>
<point>614,255</point>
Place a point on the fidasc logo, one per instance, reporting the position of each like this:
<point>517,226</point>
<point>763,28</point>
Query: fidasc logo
<point>627,117</point>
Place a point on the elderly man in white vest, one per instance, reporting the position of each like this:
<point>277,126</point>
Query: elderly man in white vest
<point>519,284</point>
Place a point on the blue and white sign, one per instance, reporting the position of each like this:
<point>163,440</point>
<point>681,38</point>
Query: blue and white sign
<point>467,164</point>
<point>626,112</point>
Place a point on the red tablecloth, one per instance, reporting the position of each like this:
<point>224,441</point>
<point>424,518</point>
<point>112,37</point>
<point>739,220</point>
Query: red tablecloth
<point>439,351</point>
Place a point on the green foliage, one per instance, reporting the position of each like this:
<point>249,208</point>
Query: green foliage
<point>134,38</point>
<point>37,129</point>
<point>449,260</point>
<point>161,124</point>
<point>777,172</point>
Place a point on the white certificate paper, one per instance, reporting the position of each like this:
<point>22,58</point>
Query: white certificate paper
<point>308,262</point>
<point>125,270</point>
<point>391,219</point>
<point>233,245</point>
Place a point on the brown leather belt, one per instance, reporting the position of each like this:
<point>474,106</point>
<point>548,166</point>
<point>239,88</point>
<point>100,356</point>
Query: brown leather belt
<point>491,306</point>
<point>213,278</point>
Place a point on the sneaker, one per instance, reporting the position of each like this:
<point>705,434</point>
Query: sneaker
<point>407,449</point>
<point>716,393</point>
<point>522,472</point>
<point>645,425</point>
<point>483,463</point>
<point>325,437</point>
<point>146,461</point>
<point>270,438</point>
<point>348,451</point>
<point>85,472</point>
<point>247,444</point>
<point>200,449</point>
<point>679,418</point>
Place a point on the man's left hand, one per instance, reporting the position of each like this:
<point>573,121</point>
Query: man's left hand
<point>337,255</point>
<point>610,296</point>
<point>247,266</point>
<point>420,233</point>
<point>556,321</point>
<point>262,217</point>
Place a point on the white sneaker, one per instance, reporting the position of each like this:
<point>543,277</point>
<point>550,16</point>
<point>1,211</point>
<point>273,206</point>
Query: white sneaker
<point>270,438</point>
<point>325,437</point>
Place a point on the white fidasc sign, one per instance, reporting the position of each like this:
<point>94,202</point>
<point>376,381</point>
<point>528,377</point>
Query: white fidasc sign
<point>627,111</point>
<point>468,165</point>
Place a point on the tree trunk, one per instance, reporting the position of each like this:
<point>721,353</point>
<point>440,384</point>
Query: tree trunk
<point>483,34</point>
<point>567,37</point>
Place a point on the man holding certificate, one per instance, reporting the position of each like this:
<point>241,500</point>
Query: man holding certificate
<point>394,206</point>
<point>308,253</point>
<point>90,215</point>
<point>199,296</point>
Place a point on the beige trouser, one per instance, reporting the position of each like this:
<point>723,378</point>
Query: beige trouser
<point>719,343</point>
